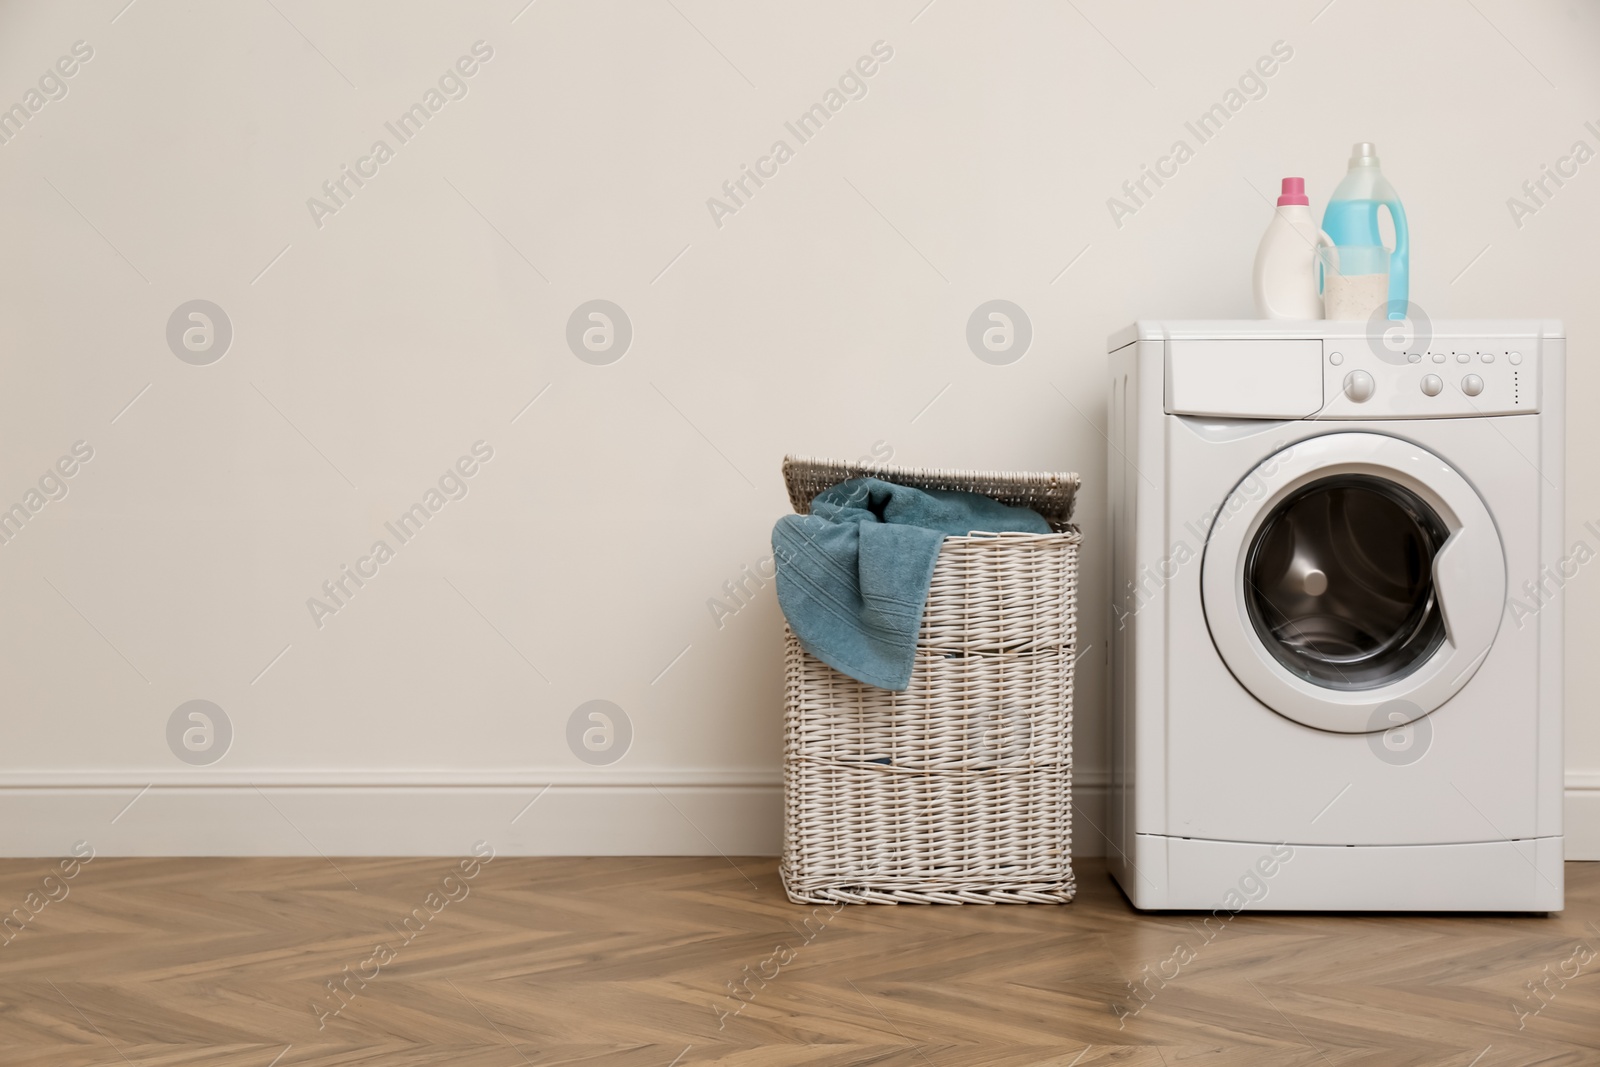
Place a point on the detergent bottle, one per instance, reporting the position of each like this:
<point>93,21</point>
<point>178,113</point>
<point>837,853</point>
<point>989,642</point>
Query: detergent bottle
<point>1352,221</point>
<point>1285,280</point>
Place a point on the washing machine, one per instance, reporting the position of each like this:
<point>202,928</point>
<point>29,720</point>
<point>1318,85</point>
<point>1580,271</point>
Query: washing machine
<point>1336,620</point>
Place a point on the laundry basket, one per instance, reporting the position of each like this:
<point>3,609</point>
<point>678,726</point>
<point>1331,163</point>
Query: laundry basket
<point>959,789</point>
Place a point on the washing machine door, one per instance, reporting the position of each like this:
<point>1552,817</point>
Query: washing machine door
<point>1353,582</point>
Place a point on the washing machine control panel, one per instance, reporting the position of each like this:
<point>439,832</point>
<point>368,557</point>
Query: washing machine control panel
<point>1450,377</point>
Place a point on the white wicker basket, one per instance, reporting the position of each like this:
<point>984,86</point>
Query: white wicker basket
<point>958,790</point>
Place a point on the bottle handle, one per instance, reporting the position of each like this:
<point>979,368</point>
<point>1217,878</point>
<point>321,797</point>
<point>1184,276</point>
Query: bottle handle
<point>1399,263</point>
<point>1316,258</point>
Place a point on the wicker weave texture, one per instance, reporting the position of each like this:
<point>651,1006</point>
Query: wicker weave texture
<point>958,790</point>
<point>1050,494</point>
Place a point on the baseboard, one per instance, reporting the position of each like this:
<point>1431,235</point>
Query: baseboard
<point>653,815</point>
<point>417,820</point>
<point>740,815</point>
<point>1582,818</point>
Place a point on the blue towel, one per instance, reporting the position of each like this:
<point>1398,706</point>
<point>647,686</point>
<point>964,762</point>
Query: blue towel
<point>853,575</point>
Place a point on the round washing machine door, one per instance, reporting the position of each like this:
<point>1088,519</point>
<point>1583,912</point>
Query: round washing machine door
<point>1353,582</point>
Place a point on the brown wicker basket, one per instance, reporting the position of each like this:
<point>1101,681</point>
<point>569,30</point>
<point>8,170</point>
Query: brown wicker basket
<point>958,790</point>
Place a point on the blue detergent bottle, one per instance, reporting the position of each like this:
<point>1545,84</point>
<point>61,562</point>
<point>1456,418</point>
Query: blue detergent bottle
<point>1352,220</point>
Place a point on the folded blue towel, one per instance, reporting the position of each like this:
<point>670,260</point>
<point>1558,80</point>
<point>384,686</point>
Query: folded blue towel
<point>853,575</point>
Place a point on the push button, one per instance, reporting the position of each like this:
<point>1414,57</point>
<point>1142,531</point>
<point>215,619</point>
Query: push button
<point>1472,385</point>
<point>1359,386</point>
<point>1432,384</point>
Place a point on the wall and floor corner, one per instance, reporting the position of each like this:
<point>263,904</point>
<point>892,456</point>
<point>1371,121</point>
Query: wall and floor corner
<point>394,400</point>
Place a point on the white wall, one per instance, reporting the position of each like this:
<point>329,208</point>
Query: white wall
<point>374,346</point>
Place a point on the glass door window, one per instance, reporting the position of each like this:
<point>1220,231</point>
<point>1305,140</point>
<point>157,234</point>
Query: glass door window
<point>1338,582</point>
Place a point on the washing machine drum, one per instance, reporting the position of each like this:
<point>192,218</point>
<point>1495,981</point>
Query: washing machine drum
<point>1353,582</point>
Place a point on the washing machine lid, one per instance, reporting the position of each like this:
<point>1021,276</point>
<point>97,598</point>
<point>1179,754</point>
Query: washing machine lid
<point>1353,582</point>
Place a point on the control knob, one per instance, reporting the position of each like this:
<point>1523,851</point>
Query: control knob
<point>1359,386</point>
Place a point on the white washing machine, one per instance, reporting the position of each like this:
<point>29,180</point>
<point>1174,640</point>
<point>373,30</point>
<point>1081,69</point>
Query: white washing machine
<point>1336,628</point>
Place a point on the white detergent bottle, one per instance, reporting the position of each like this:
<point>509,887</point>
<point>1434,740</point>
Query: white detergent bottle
<point>1285,271</point>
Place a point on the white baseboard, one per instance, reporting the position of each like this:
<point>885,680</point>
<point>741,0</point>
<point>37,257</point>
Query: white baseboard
<point>432,820</point>
<point>1582,819</point>
<point>741,815</point>
<point>735,815</point>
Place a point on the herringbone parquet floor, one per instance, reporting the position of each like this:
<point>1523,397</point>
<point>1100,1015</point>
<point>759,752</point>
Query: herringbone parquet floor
<point>653,962</point>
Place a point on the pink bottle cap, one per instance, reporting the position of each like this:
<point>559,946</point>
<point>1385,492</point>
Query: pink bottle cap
<point>1294,192</point>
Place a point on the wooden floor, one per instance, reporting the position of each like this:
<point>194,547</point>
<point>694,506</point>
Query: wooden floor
<point>655,962</point>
